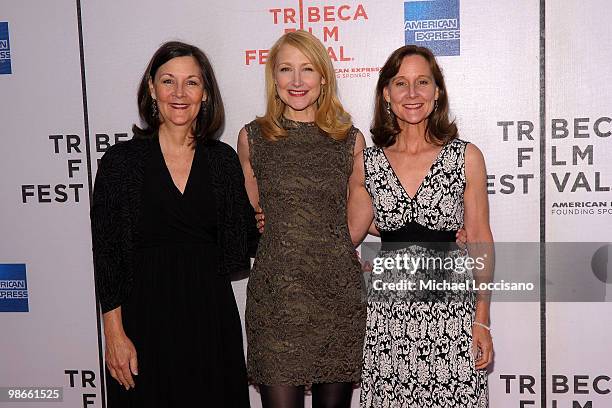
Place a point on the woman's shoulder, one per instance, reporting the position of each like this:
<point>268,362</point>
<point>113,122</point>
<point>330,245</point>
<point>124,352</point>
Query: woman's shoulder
<point>253,128</point>
<point>469,148</point>
<point>127,151</point>
<point>253,123</point>
<point>222,157</point>
<point>472,152</point>
<point>373,157</point>
<point>372,151</point>
<point>219,148</point>
<point>468,154</point>
<point>353,132</point>
<point>458,146</point>
<point>457,142</point>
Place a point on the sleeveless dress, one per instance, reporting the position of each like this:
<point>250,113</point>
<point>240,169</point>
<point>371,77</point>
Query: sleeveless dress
<point>305,315</point>
<point>418,353</point>
<point>181,313</point>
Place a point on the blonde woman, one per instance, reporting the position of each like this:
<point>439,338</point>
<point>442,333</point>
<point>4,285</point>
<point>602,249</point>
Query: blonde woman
<point>305,319</point>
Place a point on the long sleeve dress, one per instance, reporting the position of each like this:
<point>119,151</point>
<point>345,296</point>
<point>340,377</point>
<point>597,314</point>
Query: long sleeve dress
<point>162,255</point>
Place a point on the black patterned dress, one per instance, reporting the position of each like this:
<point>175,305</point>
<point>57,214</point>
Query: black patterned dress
<point>418,354</point>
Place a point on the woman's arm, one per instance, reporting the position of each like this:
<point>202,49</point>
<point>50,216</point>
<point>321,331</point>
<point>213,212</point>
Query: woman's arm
<point>112,284</point>
<point>250,182</point>
<point>480,244</point>
<point>359,207</point>
<point>120,353</point>
<point>107,232</point>
<point>241,199</point>
<point>373,230</point>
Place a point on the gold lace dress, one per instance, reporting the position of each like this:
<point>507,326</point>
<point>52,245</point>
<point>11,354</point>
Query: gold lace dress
<point>305,316</point>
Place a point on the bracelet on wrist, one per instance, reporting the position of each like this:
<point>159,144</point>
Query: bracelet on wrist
<point>482,325</point>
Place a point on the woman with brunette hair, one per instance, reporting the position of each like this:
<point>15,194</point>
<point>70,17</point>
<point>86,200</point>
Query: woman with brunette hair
<point>170,222</point>
<point>305,319</point>
<point>420,184</point>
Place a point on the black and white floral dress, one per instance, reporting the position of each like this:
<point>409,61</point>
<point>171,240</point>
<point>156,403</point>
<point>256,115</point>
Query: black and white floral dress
<point>418,354</point>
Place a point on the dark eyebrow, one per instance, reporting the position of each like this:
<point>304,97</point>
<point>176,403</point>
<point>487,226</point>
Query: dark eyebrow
<point>418,77</point>
<point>190,76</point>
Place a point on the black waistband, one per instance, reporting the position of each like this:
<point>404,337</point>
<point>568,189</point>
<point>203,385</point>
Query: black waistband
<point>415,233</point>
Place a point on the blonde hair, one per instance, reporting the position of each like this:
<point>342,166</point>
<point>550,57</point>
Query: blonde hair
<point>330,116</point>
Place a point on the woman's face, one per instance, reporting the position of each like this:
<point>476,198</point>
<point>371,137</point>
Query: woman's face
<point>298,84</point>
<point>178,87</point>
<point>412,92</point>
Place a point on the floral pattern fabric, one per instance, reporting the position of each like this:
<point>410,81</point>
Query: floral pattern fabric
<point>419,354</point>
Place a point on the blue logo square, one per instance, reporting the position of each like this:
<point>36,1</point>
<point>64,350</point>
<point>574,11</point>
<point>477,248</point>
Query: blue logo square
<point>434,24</point>
<point>13,288</point>
<point>5,49</point>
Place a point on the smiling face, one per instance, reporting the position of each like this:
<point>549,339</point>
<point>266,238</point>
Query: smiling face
<point>412,92</point>
<point>298,84</point>
<point>178,87</point>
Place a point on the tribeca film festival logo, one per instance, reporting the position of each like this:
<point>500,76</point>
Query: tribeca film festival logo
<point>577,151</point>
<point>323,21</point>
<point>5,49</point>
<point>565,391</point>
<point>522,181</point>
<point>433,24</point>
<point>70,147</point>
<point>67,191</point>
<point>13,288</point>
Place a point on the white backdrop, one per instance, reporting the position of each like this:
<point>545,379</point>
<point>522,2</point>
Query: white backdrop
<point>495,91</point>
<point>43,97</point>
<point>579,335</point>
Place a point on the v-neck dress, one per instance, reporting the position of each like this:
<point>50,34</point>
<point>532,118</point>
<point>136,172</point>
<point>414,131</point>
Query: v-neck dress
<point>181,314</point>
<point>418,351</point>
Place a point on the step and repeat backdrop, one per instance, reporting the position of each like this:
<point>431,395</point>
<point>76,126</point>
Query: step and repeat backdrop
<point>528,83</point>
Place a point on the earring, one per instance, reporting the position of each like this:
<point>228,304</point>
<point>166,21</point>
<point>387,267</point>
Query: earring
<point>154,108</point>
<point>321,95</point>
<point>203,107</point>
<point>389,108</point>
<point>436,105</point>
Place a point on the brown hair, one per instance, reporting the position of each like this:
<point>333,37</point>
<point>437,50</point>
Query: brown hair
<point>209,121</point>
<point>385,128</point>
<point>330,116</point>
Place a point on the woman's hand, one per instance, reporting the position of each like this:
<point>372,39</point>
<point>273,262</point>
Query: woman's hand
<point>121,359</point>
<point>482,346</point>
<point>476,221</point>
<point>461,238</point>
<point>366,266</point>
<point>360,213</point>
<point>120,352</point>
<point>261,219</point>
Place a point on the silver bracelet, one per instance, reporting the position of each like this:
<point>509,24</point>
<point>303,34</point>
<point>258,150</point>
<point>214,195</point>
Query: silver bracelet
<point>482,325</point>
